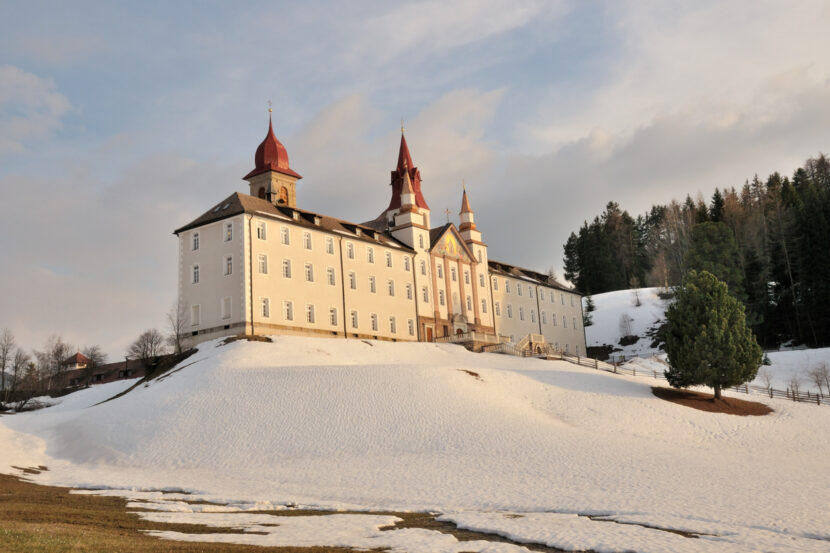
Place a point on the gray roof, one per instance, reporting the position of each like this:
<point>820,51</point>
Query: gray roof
<point>238,203</point>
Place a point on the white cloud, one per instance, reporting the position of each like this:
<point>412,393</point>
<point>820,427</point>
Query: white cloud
<point>30,108</point>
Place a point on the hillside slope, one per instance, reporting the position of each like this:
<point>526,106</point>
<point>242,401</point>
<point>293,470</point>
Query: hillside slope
<point>373,425</point>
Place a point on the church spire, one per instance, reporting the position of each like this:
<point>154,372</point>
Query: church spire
<point>467,218</point>
<point>405,167</point>
<point>465,203</point>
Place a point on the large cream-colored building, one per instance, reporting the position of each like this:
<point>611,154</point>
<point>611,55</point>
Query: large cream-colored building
<point>257,264</point>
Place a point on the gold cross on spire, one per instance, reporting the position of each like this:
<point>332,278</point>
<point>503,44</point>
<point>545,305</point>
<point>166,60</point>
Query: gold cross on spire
<point>269,106</point>
<point>401,125</point>
<point>464,184</point>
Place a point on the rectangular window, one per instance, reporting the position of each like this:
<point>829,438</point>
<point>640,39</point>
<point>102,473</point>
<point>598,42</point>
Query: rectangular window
<point>393,325</point>
<point>352,281</point>
<point>441,299</point>
<point>286,268</point>
<point>421,241</point>
<point>229,265</point>
<point>484,306</point>
<point>466,277</point>
<point>228,232</point>
<point>285,236</point>
<point>410,327</point>
<point>195,314</point>
<point>263,263</point>
<point>309,313</point>
<point>265,307</point>
<point>260,230</point>
<point>521,313</point>
<point>453,274</point>
<point>478,255</point>
<point>509,311</point>
<point>408,291</point>
<point>354,319</point>
<point>288,310</point>
<point>574,323</point>
<point>572,301</point>
<point>372,284</point>
<point>307,240</point>
<point>541,295</point>
<point>564,321</point>
<point>498,309</point>
<point>563,298</point>
<point>388,259</point>
<point>544,318</point>
<point>440,270</point>
<point>350,250</point>
<point>195,279</point>
<point>374,318</point>
<point>309,272</point>
<point>390,286</point>
<point>469,303</point>
<point>519,289</point>
<point>553,318</point>
<point>406,264</point>
<point>506,286</point>
<point>329,245</point>
<point>333,316</point>
<point>426,294</point>
<point>530,290</point>
<point>330,276</point>
<point>481,280</point>
<point>195,245</point>
<point>370,254</point>
<point>533,315</point>
<point>495,283</point>
<point>226,307</point>
<point>423,267</point>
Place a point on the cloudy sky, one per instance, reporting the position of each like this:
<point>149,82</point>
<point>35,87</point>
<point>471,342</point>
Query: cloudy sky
<point>122,121</point>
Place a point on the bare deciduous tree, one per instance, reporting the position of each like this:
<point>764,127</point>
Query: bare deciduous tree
<point>795,384</point>
<point>147,347</point>
<point>625,325</point>
<point>6,347</point>
<point>50,360</point>
<point>95,358</point>
<point>820,375</point>
<point>176,320</point>
<point>766,377</point>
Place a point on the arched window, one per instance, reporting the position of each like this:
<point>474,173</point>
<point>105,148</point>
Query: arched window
<point>261,193</point>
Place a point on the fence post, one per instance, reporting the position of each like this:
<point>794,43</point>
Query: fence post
<point>770,393</point>
<point>634,372</point>
<point>596,364</point>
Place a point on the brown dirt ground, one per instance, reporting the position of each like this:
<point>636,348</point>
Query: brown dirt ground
<point>706,402</point>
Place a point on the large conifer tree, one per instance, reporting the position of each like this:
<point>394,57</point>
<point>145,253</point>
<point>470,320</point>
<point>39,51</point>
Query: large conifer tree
<point>707,339</point>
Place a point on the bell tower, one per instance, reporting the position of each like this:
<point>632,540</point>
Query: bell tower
<point>272,179</point>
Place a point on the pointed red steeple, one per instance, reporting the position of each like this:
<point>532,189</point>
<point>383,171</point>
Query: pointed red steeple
<point>405,165</point>
<point>271,156</point>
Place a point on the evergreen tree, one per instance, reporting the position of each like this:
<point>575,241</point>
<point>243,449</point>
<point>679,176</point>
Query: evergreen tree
<point>716,209</point>
<point>714,250</point>
<point>587,319</point>
<point>707,339</point>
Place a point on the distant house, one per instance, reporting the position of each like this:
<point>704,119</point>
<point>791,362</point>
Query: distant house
<point>76,373</point>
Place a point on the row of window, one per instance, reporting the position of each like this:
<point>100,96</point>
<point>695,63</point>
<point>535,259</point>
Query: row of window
<point>519,288</point>
<point>227,236</point>
<point>553,319</point>
<point>439,269</point>
<point>311,317</point>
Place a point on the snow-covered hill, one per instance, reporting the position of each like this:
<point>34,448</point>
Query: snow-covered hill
<point>518,446</point>
<point>618,311</point>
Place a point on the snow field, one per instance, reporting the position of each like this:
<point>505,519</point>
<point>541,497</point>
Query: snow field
<point>368,426</point>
